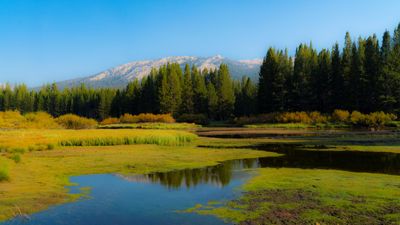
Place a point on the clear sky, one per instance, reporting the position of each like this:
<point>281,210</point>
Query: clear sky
<point>52,40</point>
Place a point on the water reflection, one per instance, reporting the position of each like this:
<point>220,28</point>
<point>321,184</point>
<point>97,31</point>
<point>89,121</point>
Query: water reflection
<point>355,161</point>
<point>219,175</point>
<point>222,174</point>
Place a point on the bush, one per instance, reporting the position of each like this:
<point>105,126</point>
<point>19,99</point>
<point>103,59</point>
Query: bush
<point>40,120</point>
<point>4,174</point>
<point>16,157</point>
<point>317,117</point>
<point>70,121</point>
<point>357,118</point>
<point>294,117</point>
<point>374,120</point>
<point>194,118</point>
<point>110,120</point>
<point>379,119</point>
<point>340,116</point>
<point>50,146</point>
<point>147,118</point>
<point>12,119</point>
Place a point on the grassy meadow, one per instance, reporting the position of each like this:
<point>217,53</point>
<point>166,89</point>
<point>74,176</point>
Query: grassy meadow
<point>35,166</point>
<point>303,196</point>
<point>32,139</point>
<point>40,179</point>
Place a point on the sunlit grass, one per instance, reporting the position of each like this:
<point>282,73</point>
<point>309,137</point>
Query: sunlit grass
<point>310,196</point>
<point>40,179</point>
<point>46,139</point>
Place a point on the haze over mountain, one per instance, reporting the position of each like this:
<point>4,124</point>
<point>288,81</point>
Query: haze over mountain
<point>119,76</point>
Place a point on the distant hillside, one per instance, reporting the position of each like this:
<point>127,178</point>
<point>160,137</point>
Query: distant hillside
<point>119,76</point>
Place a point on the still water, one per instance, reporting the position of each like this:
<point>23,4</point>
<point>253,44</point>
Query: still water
<point>156,198</point>
<point>147,199</point>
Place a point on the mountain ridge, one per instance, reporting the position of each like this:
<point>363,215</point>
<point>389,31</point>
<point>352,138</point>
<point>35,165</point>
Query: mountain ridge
<point>120,75</point>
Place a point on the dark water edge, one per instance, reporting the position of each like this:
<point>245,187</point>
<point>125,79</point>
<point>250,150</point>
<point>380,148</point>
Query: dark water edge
<point>352,161</point>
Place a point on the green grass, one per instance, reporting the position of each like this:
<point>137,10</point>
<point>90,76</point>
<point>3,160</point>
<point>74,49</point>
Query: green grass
<point>175,140</point>
<point>314,196</point>
<point>4,172</point>
<point>35,139</point>
<point>4,175</point>
<point>41,179</point>
<point>165,126</point>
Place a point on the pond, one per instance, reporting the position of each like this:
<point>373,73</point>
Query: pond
<point>157,198</point>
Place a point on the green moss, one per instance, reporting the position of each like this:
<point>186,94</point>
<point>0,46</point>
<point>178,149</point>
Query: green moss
<point>308,196</point>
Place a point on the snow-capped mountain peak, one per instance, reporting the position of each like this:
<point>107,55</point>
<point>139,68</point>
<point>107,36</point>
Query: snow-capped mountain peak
<point>120,75</point>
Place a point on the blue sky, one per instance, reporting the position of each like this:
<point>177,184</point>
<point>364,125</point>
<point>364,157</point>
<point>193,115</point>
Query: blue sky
<point>51,40</point>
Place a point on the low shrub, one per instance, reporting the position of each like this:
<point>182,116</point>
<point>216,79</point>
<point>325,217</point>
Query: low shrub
<point>147,118</point>
<point>378,120</point>
<point>194,118</point>
<point>40,120</point>
<point>16,157</point>
<point>357,118</point>
<point>12,119</point>
<point>50,146</point>
<point>317,117</point>
<point>18,150</point>
<point>340,116</point>
<point>110,120</point>
<point>4,176</point>
<point>70,121</point>
<point>293,117</point>
<point>284,117</point>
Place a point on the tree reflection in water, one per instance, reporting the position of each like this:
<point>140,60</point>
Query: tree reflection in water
<point>219,175</point>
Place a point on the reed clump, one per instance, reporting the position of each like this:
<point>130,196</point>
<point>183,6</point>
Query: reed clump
<point>168,140</point>
<point>24,140</point>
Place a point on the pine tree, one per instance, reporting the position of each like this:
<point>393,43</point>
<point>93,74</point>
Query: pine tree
<point>391,71</point>
<point>199,91</point>
<point>372,74</point>
<point>321,81</point>
<point>346,71</point>
<point>212,101</point>
<point>337,82</point>
<point>274,72</point>
<point>225,93</point>
<point>187,92</point>
<point>245,97</point>
<point>300,96</point>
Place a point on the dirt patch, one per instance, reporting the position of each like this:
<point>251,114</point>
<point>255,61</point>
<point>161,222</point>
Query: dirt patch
<point>290,207</point>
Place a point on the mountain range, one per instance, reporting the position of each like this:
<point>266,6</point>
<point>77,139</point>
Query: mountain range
<point>120,75</point>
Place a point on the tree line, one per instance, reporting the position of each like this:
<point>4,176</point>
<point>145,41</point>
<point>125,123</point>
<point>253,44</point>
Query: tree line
<point>168,89</point>
<point>364,75</point>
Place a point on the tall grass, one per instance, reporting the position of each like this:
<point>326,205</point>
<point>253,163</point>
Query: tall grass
<point>33,139</point>
<point>176,140</point>
<point>4,174</point>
